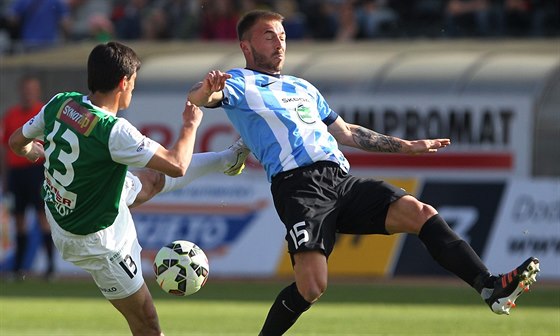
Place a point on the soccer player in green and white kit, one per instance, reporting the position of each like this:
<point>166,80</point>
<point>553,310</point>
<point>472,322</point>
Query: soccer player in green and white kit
<point>88,189</point>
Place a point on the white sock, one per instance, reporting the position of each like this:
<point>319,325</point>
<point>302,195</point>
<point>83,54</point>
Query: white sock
<point>486,293</point>
<point>201,164</point>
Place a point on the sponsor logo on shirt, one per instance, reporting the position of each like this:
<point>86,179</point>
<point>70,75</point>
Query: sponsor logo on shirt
<point>295,100</point>
<point>304,113</point>
<point>145,143</point>
<point>302,109</point>
<point>77,117</point>
<point>64,200</point>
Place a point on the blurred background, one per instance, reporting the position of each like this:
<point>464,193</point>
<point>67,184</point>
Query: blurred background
<point>33,24</point>
<point>485,73</point>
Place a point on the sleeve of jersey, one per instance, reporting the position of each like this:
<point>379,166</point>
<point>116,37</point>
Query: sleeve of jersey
<point>130,147</point>
<point>328,116</point>
<point>234,89</point>
<point>34,128</point>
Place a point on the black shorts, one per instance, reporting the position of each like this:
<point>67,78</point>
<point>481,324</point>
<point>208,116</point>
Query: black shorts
<point>318,201</point>
<point>25,185</point>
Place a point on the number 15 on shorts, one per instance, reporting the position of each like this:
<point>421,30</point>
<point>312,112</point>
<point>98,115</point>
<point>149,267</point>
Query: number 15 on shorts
<point>299,235</point>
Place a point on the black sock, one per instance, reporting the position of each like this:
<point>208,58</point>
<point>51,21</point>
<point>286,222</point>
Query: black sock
<point>453,253</point>
<point>287,308</point>
<point>48,244</point>
<point>21,247</point>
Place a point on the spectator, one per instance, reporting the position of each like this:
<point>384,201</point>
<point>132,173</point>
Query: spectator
<point>39,23</point>
<point>467,18</point>
<point>182,18</point>
<point>128,18</point>
<point>321,18</point>
<point>25,178</point>
<point>219,20</point>
<point>90,19</point>
<point>376,19</point>
<point>347,21</point>
<point>294,22</point>
<point>517,15</point>
<point>418,18</point>
<point>545,19</point>
<point>155,25</point>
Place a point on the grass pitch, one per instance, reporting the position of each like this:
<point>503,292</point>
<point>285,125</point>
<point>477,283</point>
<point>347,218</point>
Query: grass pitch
<point>75,307</point>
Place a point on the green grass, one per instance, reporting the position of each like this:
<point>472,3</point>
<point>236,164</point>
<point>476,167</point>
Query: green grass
<point>71,307</point>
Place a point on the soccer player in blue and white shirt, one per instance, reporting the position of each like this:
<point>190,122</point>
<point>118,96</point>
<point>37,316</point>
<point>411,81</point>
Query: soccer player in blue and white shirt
<point>291,130</point>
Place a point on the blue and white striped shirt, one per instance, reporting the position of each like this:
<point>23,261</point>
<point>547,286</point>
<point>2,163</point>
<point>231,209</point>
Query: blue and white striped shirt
<point>282,119</point>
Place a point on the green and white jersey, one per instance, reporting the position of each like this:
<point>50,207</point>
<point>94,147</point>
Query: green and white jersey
<point>87,151</point>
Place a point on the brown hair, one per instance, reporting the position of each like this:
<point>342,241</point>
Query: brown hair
<point>251,18</point>
<point>108,64</point>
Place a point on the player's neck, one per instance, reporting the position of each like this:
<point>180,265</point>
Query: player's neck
<point>107,101</point>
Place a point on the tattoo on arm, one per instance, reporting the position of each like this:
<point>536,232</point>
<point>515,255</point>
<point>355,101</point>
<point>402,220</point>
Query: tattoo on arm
<point>372,141</point>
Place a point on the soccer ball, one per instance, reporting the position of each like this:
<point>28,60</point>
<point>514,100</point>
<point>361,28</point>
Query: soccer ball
<point>181,268</point>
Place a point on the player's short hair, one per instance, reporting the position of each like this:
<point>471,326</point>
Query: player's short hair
<point>251,18</point>
<point>108,64</point>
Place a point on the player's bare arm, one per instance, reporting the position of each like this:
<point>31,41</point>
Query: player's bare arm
<point>175,161</point>
<point>372,141</point>
<point>209,92</point>
<point>29,148</point>
<point>368,140</point>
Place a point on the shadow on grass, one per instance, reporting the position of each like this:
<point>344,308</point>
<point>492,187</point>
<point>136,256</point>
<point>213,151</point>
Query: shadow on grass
<point>221,290</point>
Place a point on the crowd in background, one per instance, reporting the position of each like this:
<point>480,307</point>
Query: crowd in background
<point>28,25</point>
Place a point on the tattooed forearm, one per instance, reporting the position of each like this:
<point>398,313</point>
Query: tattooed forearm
<point>374,142</point>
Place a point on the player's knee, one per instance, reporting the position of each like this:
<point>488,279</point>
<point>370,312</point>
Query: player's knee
<point>152,183</point>
<point>312,291</point>
<point>425,212</point>
<point>409,215</point>
<point>155,181</point>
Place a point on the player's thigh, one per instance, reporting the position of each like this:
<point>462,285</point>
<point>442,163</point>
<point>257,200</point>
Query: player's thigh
<point>408,215</point>
<point>365,204</point>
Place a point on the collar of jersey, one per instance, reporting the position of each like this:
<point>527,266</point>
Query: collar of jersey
<point>265,73</point>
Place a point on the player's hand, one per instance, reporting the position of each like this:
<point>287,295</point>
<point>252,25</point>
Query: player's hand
<point>192,115</point>
<point>427,145</point>
<point>215,81</point>
<point>35,152</point>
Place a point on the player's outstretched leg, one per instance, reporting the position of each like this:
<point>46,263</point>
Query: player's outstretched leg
<point>240,152</point>
<point>508,287</point>
<point>230,161</point>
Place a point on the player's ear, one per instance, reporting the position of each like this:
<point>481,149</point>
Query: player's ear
<point>244,45</point>
<point>124,83</point>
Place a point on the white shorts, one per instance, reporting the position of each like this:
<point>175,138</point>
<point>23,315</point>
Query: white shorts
<point>112,255</point>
